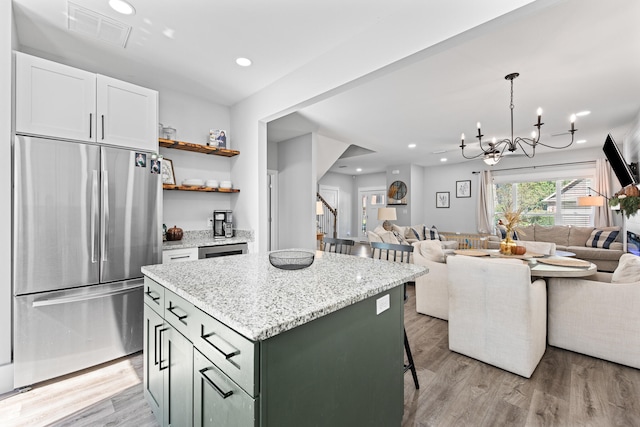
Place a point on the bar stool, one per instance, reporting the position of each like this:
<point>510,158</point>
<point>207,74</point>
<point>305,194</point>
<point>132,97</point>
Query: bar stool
<point>401,253</point>
<point>339,246</point>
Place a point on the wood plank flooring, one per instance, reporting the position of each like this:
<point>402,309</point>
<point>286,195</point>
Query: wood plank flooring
<point>567,389</point>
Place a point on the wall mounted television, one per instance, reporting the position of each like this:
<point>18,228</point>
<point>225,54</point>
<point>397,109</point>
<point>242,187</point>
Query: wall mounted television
<point>620,167</point>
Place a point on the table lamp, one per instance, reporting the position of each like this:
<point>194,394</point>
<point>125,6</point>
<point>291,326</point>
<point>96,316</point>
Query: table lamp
<point>386,215</point>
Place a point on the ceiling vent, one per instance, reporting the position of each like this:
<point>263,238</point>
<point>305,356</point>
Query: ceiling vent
<point>95,25</point>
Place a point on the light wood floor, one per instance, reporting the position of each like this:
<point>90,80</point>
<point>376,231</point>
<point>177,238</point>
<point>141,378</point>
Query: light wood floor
<point>567,389</point>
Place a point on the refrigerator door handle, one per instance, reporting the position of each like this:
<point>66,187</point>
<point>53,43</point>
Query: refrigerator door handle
<point>105,215</point>
<point>94,216</point>
<point>85,297</point>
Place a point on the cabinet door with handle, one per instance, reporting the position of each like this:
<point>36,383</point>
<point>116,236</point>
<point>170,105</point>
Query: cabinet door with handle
<point>177,364</point>
<point>218,401</point>
<point>54,99</point>
<point>153,376</point>
<point>127,114</point>
<point>179,255</point>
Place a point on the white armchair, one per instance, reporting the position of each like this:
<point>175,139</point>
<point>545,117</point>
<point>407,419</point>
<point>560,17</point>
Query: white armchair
<point>432,293</point>
<point>496,314</point>
<point>596,317</point>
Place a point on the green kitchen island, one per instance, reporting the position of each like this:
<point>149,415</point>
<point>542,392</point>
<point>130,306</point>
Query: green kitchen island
<point>234,341</point>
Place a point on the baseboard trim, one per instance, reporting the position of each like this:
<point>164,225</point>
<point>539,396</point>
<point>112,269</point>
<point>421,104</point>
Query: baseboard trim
<point>6,378</point>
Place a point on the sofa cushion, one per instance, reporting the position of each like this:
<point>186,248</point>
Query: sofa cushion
<point>601,238</point>
<point>527,233</point>
<point>381,235</point>
<point>400,237</point>
<point>578,236</point>
<point>558,234</point>
<point>628,270</point>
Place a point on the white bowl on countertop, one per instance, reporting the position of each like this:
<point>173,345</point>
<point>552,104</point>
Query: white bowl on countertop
<point>226,184</point>
<point>193,183</point>
<point>211,183</point>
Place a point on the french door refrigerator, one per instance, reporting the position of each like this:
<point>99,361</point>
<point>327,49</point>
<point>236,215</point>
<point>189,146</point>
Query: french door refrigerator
<point>86,218</point>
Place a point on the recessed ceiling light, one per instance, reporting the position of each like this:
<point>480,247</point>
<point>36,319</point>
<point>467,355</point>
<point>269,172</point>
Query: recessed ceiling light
<point>444,159</point>
<point>412,145</point>
<point>243,62</point>
<point>359,170</point>
<point>581,141</point>
<point>583,113</point>
<point>122,7</point>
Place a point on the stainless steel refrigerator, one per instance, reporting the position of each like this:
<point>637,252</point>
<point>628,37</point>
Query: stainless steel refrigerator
<point>86,218</point>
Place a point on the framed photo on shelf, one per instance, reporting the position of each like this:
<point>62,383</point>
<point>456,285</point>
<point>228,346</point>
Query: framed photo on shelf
<point>442,199</point>
<point>463,189</point>
<point>168,176</point>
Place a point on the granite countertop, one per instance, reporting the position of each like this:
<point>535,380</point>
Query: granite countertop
<point>199,238</point>
<point>259,301</point>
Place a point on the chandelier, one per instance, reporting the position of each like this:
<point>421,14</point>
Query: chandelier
<point>493,151</point>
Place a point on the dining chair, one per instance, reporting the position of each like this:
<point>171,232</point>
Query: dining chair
<point>398,253</point>
<point>339,246</point>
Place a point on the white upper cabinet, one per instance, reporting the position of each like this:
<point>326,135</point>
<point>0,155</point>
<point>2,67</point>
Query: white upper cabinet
<point>127,114</point>
<point>54,99</point>
<point>64,102</point>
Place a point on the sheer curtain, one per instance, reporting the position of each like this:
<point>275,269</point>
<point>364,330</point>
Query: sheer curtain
<point>484,214</point>
<point>603,216</point>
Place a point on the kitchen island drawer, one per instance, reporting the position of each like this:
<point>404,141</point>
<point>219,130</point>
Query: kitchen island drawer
<point>218,401</point>
<point>154,296</point>
<point>234,354</point>
<point>180,313</point>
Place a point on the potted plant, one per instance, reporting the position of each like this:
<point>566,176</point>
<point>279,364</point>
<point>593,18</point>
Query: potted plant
<point>629,200</point>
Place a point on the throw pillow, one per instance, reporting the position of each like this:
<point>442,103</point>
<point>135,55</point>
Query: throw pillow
<point>628,270</point>
<point>431,250</point>
<point>440,236</point>
<point>431,233</point>
<point>389,237</point>
<point>601,238</point>
<point>417,231</point>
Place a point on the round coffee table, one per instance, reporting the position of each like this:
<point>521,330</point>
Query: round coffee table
<point>565,253</point>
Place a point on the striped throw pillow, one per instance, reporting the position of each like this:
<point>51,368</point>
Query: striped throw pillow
<point>431,233</point>
<point>601,238</point>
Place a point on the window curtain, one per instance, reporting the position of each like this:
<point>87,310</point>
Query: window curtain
<point>484,214</point>
<point>603,216</point>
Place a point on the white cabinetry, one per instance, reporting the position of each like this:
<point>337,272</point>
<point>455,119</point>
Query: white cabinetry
<point>54,100</point>
<point>64,102</point>
<point>179,255</point>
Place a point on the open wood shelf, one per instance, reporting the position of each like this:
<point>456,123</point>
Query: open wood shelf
<point>203,189</point>
<point>197,148</point>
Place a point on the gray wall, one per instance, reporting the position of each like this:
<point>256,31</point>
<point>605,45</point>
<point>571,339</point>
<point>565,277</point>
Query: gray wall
<point>403,212</point>
<point>296,193</point>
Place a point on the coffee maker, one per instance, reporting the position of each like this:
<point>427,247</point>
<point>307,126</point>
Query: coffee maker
<point>222,224</point>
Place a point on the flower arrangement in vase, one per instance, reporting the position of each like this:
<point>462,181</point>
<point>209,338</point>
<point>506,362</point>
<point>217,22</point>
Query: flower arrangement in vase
<point>510,221</point>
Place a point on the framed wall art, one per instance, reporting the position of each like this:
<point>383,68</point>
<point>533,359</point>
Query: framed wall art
<point>442,199</point>
<point>168,176</point>
<point>463,189</point>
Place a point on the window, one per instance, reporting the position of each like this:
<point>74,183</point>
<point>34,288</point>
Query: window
<point>547,202</point>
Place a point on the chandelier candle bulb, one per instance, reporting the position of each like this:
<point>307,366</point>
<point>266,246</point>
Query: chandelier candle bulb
<point>539,112</point>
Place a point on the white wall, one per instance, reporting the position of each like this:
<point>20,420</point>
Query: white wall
<point>346,208</point>
<point>192,118</point>
<point>416,209</point>
<point>321,78</point>
<point>8,40</point>
<point>296,193</point>
<point>461,216</point>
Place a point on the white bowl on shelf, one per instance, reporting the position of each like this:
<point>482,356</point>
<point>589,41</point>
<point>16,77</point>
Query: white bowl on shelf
<point>226,184</point>
<point>211,183</point>
<point>193,183</point>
